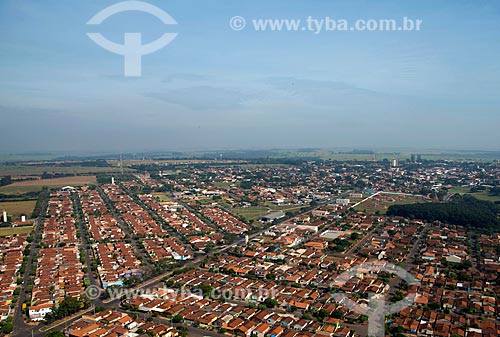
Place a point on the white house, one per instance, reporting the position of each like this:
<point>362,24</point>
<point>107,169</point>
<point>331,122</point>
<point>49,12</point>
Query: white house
<point>38,312</point>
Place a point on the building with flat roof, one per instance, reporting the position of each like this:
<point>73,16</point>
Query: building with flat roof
<point>272,216</point>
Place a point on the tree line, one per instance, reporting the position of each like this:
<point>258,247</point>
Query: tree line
<point>464,210</point>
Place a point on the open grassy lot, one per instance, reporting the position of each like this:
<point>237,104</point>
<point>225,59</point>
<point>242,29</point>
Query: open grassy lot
<point>459,190</point>
<point>250,212</point>
<point>481,195</point>
<point>255,212</point>
<point>16,208</point>
<point>381,202</point>
<point>162,196</point>
<point>37,185</point>
<point>4,231</point>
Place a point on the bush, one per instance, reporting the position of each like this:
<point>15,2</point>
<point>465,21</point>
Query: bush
<point>177,319</point>
<point>7,328</point>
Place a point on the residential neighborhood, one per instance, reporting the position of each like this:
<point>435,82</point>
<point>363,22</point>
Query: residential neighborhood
<point>260,252</point>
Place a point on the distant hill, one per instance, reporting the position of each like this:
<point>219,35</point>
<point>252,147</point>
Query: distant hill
<point>462,210</point>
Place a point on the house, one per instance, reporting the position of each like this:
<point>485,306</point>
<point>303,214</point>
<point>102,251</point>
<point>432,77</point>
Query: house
<point>343,332</point>
<point>261,329</point>
<point>453,259</point>
<point>84,330</point>
<point>332,321</point>
<point>300,305</point>
<point>273,319</point>
<point>38,312</point>
<point>287,321</point>
<point>246,328</point>
<point>300,324</point>
<point>233,324</point>
<point>207,320</point>
<point>275,331</point>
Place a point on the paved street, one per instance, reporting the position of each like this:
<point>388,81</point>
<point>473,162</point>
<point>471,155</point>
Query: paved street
<point>155,281</point>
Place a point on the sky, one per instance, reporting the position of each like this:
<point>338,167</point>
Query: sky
<point>213,87</point>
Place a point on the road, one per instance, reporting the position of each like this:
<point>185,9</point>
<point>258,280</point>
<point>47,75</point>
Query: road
<point>360,243</point>
<point>365,199</point>
<point>158,219</point>
<point>125,228</point>
<point>416,246</point>
<point>20,327</point>
<point>84,244</point>
<point>193,331</point>
<point>41,330</point>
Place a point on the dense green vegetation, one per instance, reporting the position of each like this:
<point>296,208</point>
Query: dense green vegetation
<point>5,181</point>
<point>462,210</point>
<point>66,308</point>
<point>6,327</point>
<point>20,197</point>
<point>56,334</point>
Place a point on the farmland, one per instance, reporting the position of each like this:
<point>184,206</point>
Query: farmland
<point>4,231</point>
<point>16,208</point>
<point>37,185</point>
<point>30,170</point>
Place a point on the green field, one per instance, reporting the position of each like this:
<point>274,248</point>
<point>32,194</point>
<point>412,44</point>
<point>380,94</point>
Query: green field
<point>16,208</point>
<point>163,197</point>
<point>481,195</point>
<point>255,212</point>
<point>4,231</point>
<point>22,187</point>
<point>249,213</point>
<point>376,204</point>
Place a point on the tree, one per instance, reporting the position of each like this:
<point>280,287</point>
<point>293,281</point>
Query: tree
<point>398,296</point>
<point>271,302</point>
<point>66,308</point>
<point>434,305</point>
<point>270,276</point>
<point>337,314</point>
<point>495,191</point>
<point>55,334</point>
<point>206,289</point>
<point>177,319</point>
<point>355,236</point>
<point>463,210</point>
<point>7,328</point>
<point>322,313</point>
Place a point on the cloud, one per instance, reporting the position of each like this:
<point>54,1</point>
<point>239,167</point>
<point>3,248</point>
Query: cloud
<point>203,97</point>
<point>299,85</point>
<point>186,77</point>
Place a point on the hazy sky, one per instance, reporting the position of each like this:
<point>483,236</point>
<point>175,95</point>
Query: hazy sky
<point>214,87</point>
